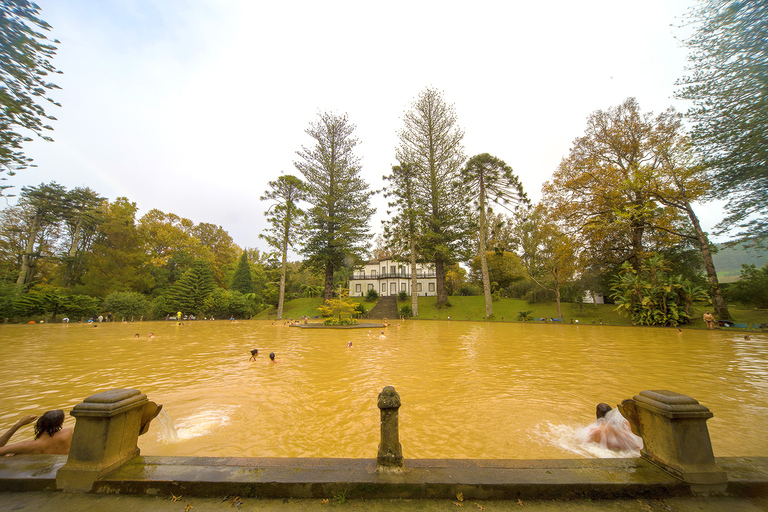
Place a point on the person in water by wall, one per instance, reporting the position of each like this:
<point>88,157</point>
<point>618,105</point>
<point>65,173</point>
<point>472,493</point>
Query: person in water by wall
<point>50,437</point>
<point>254,353</point>
<point>610,431</point>
<point>272,357</point>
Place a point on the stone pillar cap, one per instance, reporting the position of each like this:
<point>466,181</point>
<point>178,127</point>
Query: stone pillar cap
<point>672,404</point>
<point>389,398</point>
<point>109,403</point>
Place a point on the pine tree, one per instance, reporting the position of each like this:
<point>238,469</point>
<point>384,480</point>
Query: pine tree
<point>337,231</point>
<point>241,280</point>
<point>189,293</point>
<point>431,143</point>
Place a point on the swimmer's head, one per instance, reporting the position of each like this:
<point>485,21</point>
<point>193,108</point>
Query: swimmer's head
<point>255,352</point>
<point>602,409</point>
<point>272,356</point>
<point>50,422</point>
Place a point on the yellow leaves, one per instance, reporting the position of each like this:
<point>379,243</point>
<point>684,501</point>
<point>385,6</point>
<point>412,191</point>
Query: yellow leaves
<point>175,498</point>
<point>460,496</point>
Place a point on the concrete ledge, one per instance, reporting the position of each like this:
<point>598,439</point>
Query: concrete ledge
<point>28,473</point>
<point>432,478</point>
<point>357,478</point>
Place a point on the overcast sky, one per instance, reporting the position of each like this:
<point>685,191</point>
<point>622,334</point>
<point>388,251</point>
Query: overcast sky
<point>192,106</point>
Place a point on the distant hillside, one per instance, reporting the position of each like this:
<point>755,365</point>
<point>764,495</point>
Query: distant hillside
<point>728,261</point>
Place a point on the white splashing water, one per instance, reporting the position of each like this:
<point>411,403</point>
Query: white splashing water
<point>202,422</point>
<point>567,437</point>
<point>167,432</point>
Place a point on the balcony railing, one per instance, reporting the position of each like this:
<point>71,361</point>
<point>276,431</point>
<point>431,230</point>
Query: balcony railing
<point>358,276</point>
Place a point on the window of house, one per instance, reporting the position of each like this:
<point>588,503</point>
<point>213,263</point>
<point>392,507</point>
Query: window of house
<point>373,274</point>
<point>431,287</point>
<point>383,287</point>
<point>393,269</point>
<point>370,286</point>
<point>402,287</point>
<point>358,288</point>
<point>418,287</point>
<point>419,272</point>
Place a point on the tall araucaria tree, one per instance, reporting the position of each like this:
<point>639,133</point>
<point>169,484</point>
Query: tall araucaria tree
<point>337,227</point>
<point>487,180</point>
<point>25,53</point>
<point>727,85</point>
<point>401,231</point>
<point>430,141</point>
<point>284,217</point>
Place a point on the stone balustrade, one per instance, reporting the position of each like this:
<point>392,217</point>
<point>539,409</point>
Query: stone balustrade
<point>672,426</point>
<point>675,437</point>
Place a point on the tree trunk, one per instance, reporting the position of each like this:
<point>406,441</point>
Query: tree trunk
<point>281,297</point>
<point>718,303</point>
<point>442,293</point>
<point>483,257</point>
<point>414,281</point>
<point>27,257</point>
<point>557,299</point>
<point>486,280</point>
<point>637,244</point>
<point>328,293</point>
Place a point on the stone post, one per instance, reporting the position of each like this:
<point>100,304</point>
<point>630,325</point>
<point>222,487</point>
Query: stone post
<point>106,432</point>
<point>390,456</point>
<point>675,437</point>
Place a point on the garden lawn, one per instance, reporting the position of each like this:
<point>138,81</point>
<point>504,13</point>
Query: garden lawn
<point>473,309</point>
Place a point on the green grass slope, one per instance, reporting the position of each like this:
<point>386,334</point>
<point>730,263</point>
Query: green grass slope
<point>473,309</point>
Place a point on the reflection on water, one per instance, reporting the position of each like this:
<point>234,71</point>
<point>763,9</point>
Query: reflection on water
<point>469,390</point>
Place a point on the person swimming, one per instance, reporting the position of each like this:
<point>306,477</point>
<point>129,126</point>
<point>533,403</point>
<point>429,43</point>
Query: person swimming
<point>272,357</point>
<point>50,437</point>
<point>349,344</point>
<point>254,353</point>
<point>610,430</point>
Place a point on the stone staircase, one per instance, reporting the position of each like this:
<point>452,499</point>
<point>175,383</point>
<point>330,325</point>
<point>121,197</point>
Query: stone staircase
<point>385,308</point>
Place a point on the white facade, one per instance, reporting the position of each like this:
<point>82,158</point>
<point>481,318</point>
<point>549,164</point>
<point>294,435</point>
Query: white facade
<point>591,297</point>
<point>389,277</point>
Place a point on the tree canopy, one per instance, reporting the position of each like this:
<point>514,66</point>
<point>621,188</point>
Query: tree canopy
<point>602,191</point>
<point>25,53</point>
<point>727,85</point>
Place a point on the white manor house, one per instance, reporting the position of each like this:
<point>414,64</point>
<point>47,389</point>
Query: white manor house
<point>389,277</point>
